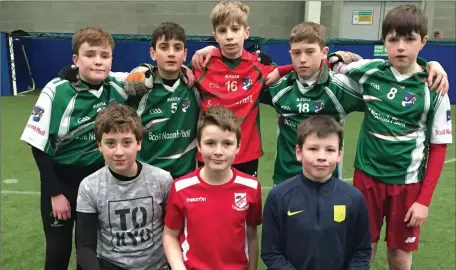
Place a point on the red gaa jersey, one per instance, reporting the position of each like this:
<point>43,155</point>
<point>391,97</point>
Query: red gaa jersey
<point>213,219</point>
<point>237,86</point>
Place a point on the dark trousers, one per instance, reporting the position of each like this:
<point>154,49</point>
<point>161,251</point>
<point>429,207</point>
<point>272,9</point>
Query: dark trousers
<point>58,233</point>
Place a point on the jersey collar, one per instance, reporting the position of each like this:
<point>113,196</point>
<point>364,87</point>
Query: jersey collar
<point>158,80</point>
<point>245,54</point>
<point>420,76</point>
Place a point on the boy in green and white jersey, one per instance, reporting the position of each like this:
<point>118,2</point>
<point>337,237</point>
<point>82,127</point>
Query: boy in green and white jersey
<point>404,135</point>
<point>169,112</point>
<point>61,133</point>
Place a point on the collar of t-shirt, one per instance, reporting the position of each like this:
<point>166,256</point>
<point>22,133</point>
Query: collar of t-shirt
<point>127,178</point>
<point>315,184</point>
<point>310,81</point>
<point>169,83</point>
<point>229,61</point>
<point>83,85</point>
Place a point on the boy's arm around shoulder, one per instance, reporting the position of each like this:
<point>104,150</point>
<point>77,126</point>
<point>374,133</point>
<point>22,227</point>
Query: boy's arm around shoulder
<point>87,226</point>
<point>348,92</point>
<point>362,244</point>
<point>271,253</point>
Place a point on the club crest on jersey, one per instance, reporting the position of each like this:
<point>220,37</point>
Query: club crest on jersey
<point>112,102</point>
<point>448,115</point>
<point>409,100</point>
<point>246,83</point>
<point>37,113</point>
<point>185,105</point>
<point>240,202</point>
<point>318,106</point>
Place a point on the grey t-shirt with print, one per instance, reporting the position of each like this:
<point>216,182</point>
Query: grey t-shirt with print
<point>130,216</point>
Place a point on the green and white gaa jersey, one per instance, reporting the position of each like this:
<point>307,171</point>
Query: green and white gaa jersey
<point>169,116</point>
<point>331,94</point>
<point>62,121</point>
<point>402,117</point>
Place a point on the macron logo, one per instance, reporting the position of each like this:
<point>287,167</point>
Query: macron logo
<point>199,199</point>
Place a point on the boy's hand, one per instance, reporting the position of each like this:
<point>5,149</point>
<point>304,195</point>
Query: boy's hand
<point>61,209</point>
<point>139,81</point>
<point>189,77</point>
<point>202,57</point>
<point>69,73</point>
<point>416,215</point>
<point>272,77</point>
<point>344,57</point>
<point>264,58</point>
<point>438,78</point>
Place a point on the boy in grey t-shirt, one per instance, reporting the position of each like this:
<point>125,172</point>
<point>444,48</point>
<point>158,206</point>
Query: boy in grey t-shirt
<point>120,208</point>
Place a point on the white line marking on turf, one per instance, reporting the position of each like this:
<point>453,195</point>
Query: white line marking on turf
<point>10,181</point>
<point>15,192</point>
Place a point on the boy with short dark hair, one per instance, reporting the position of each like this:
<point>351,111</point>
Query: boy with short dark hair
<point>314,220</point>
<point>121,207</point>
<point>404,136</point>
<point>60,131</point>
<point>169,111</point>
<point>213,213</point>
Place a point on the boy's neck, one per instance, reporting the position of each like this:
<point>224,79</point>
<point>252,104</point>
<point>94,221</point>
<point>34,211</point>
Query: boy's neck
<point>89,81</point>
<point>232,57</point>
<point>216,177</point>
<point>316,180</point>
<point>309,80</point>
<point>132,171</point>
<point>412,69</point>
<point>168,75</point>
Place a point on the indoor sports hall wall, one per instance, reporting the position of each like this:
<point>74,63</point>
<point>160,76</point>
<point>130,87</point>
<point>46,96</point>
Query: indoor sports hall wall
<point>47,53</point>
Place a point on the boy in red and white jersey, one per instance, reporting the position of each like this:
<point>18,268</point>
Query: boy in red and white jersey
<point>213,213</point>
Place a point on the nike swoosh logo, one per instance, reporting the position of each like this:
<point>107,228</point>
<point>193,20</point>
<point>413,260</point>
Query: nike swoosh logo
<point>294,213</point>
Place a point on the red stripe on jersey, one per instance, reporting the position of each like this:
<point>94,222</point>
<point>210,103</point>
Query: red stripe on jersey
<point>213,219</point>
<point>237,89</point>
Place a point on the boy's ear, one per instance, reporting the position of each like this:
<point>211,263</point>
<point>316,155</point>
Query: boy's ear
<point>139,146</point>
<point>99,147</point>
<point>325,51</point>
<point>152,53</point>
<point>298,153</point>
<point>75,59</point>
<point>246,32</point>
<point>185,55</point>
<point>423,41</point>
<point>198,146</point>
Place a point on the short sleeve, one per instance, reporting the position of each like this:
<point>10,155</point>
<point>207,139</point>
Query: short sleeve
<point>86,201</point>
<point>174,218</point>
<point>441,124</point>
<point>37,129</point>
<point>255,215</point>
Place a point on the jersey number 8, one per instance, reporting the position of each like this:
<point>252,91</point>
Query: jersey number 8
<point>392,93</point>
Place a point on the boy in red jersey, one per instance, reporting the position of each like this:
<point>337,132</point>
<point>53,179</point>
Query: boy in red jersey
<point>234,78</point>
<point>213,213</point>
